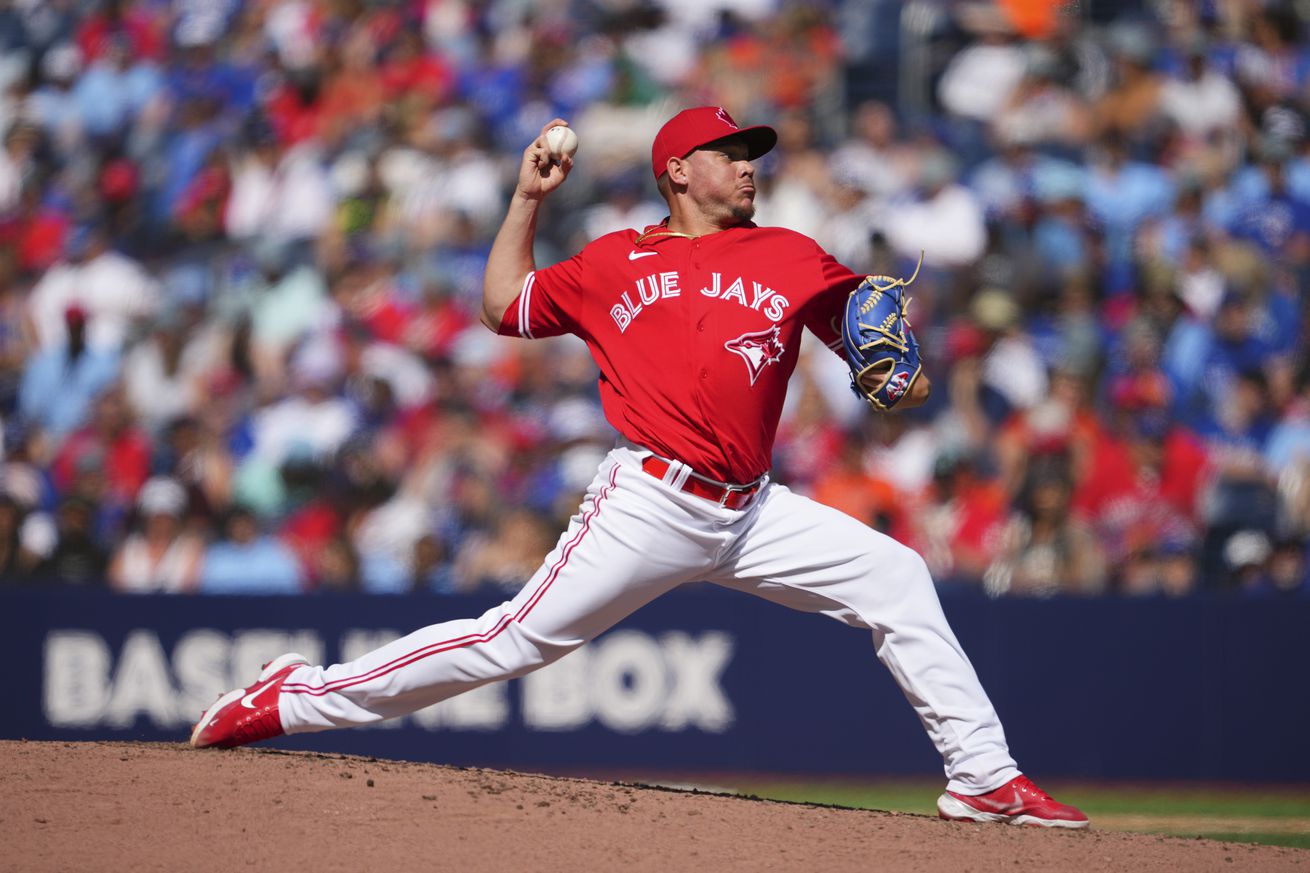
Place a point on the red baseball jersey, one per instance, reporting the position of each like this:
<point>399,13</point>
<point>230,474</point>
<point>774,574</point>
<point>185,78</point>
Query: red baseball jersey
<point>695,338</point>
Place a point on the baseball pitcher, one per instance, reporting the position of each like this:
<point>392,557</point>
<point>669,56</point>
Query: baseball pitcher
<point>695,324</point>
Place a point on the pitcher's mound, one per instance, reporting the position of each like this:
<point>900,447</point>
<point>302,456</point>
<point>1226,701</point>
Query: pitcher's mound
<point>138,807</point>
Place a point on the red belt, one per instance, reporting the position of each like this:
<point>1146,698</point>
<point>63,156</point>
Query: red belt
<point>726,495</point>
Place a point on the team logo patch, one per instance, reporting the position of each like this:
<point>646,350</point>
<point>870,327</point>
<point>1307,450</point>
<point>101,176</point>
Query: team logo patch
<point>723,116</point>
<point>896,387</point>
<point>758,349</point>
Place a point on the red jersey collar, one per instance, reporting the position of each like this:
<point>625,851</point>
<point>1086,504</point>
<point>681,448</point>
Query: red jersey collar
<point>660,232</point>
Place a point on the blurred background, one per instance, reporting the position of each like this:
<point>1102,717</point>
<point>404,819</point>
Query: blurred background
<point>241,247</point>
<point>241,251</point>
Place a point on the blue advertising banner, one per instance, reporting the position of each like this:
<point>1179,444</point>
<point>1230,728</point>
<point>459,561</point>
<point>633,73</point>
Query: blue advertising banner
<point>705,680</point>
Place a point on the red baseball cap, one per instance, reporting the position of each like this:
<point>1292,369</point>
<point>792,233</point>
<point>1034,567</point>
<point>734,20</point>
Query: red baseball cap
<point>692,128</point>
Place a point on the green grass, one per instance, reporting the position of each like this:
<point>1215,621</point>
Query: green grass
<point>1273,816</point>
<point>1295,841</point>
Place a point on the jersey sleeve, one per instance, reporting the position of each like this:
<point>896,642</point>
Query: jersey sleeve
<point>549,304</point>
<point>824,315</point>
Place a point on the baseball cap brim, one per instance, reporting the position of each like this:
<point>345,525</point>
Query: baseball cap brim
<point>759,140</point>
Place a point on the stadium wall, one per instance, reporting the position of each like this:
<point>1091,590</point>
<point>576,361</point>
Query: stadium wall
<point>706,680</point>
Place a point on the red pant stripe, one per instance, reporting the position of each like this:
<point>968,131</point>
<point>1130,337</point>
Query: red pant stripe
<point>468,639</point>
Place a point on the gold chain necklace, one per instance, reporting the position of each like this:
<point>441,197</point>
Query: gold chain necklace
<point>654,233</point>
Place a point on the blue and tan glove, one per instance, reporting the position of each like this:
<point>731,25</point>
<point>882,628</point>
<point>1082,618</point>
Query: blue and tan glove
<point>880,347</point>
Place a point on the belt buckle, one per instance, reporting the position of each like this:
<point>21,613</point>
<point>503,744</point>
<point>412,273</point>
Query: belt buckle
<point>729,490</point>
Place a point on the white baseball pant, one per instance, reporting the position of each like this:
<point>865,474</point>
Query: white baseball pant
<point>636,537</point>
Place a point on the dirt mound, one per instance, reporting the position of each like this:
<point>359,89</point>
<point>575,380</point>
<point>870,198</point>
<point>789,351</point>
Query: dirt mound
<point>141,807</point>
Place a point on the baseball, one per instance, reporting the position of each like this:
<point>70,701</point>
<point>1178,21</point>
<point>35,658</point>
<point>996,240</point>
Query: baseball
<point>562,142</point>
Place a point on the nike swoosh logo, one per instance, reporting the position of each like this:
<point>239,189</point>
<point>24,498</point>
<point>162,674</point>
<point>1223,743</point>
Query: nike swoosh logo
<point>632,256</point>
<point>249,700</point>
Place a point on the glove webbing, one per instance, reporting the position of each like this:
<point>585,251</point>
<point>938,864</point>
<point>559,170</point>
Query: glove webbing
<point>895,340</point>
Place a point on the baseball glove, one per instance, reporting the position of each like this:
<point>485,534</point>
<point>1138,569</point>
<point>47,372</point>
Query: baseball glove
<point>880,347</point>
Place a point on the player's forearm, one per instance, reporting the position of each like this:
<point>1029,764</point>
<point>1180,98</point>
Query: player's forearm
<point>510,260</point>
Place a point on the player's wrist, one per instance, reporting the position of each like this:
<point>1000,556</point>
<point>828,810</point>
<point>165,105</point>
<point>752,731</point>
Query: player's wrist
<point>529,199</point>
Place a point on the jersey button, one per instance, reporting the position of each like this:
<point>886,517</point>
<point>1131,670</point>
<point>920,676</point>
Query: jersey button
<point>704,374</point>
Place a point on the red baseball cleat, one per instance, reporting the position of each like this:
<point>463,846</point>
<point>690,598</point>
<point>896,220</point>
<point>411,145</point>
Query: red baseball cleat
<point>247,715</point>
<point>1018,801</point>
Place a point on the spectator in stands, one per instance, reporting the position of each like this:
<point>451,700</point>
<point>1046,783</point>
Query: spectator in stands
<point>622,203</point>
<point>13,567</point>
<point>1287,454</point>
<point>1122,193</point>
<point>1273,62</point>
<point>61,381</point>
<point>75,558</point>
<point>980,78</point>
<point>1200,100</point>
<point>943,220</point>
<point>192,450</point>
<point>51,105</point>
<point>508,556</point>
<point>384,537</point>
<point>1241,497</point>
<point>15,334</point>
<point>800,181</point>
<point>17,164</point>
<point>119,26</point>
<point>162,556</point>
<point>279,195</point>
<point>849,222</point>
<point>244,561</point>
<point>114,291</point>
<point>313,419</point>
<point>1064,237</point>
<point>1130,109</point>
<point>1285,574</point>
<point>873,158</point>
<point>159,384</point>
<point>1047,549</point>
<point>337,568</point>
<point>1245,557</point>
<point>1061,426</point>
<point>22,472</point>
<point>1012,376</point>
<point>107,460</point>
<point>1274,219</point>
<point>115,87</point>
<point>958,523</point>
<point>810,439</point>
<point>846,483</point>
<point>1179,576</point>
<point>1041,110</point>
<point>432,570</point>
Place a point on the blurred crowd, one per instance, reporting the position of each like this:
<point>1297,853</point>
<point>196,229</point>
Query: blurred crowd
<point>241,250</point>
